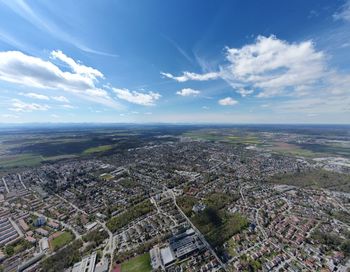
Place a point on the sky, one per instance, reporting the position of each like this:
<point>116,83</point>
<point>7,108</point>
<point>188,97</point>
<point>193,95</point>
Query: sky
<point>183,61</point>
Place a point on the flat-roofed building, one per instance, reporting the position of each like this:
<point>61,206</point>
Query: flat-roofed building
<point>23,225</point>
<point>87,264</point>
<point>185,243</point>
<point>167,256</point>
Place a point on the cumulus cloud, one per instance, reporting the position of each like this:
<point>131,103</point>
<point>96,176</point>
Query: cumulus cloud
<point>76,67</point>
<point>228,101</point>
<point>135,97</point>
<point>17,67</point>
<point>272,65</point>
<point>20,106</point>
<point>36,96</point>
<point>188,92</point>
<point>186,76</point>
<point>61,98</point>
<point>344,13</point>
<point>269,66</point>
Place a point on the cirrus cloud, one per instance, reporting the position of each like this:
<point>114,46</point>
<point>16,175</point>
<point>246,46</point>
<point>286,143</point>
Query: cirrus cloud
<point>20,106</point>
<point>344,13</point>
<point>61,98</point>
<point>36,96</point>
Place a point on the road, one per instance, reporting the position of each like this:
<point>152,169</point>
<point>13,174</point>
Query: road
<point>5,184</point>
<point>241,192</point>
<point>110,247</point>
<point>20,179</point>
<point>70,203</point>
<point>200,235</point>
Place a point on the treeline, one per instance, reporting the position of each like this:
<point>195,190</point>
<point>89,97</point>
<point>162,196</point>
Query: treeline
<point>130,214</point>
<point>333,241</point>
<point>63,259</point>
<point>95,238</point>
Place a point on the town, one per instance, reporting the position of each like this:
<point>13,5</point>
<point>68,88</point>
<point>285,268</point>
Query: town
<point>180,205</point>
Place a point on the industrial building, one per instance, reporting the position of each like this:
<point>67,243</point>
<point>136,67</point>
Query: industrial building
<point>180,247</point>
<point>87,264</point>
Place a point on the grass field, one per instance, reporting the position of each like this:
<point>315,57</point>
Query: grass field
<point>20,160</point>
<point>96,149</point>
<point>315,179</point>
<point>138,264</point>
<point>218,137</point>
<point>106,176</point>
<point>286,148</point>
<point>61,240</point>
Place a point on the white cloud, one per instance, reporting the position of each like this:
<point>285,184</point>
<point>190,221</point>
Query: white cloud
<point>16,67</point>
<point>67,106</point>
<point>188,92</point>
<point>54,116</point>
<point>186,76</point>
<point>97,92</point>
<point>273,65</point>
<point>244,92</point>
<point>20,106</point>
<point>145,99</point>
<point>36,96</point>
<point>269,66</point>
<point>60,98</point>
<point>344,13</point>
<point>228,101</point>
<point>76,67</point>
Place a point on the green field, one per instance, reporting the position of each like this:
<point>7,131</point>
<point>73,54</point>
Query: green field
<point>20,160</point>
<point>232,137</point>
<point>315,179</point>
<point>138,264</point>
<point>61,240</point>
<point>101,148</point>
<point>106,176</point>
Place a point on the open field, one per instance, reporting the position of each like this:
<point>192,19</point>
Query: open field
<point>291,141</point>
<point>315,179</point>
<point>61,240</point>
<point>232,138</point>
<point>97,149</point>
<point>20,160</point>
<point>292,149</point>
<point>30,147</point>
<point>138,264</point>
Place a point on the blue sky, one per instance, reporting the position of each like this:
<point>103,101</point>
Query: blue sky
<point>175,61</point>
